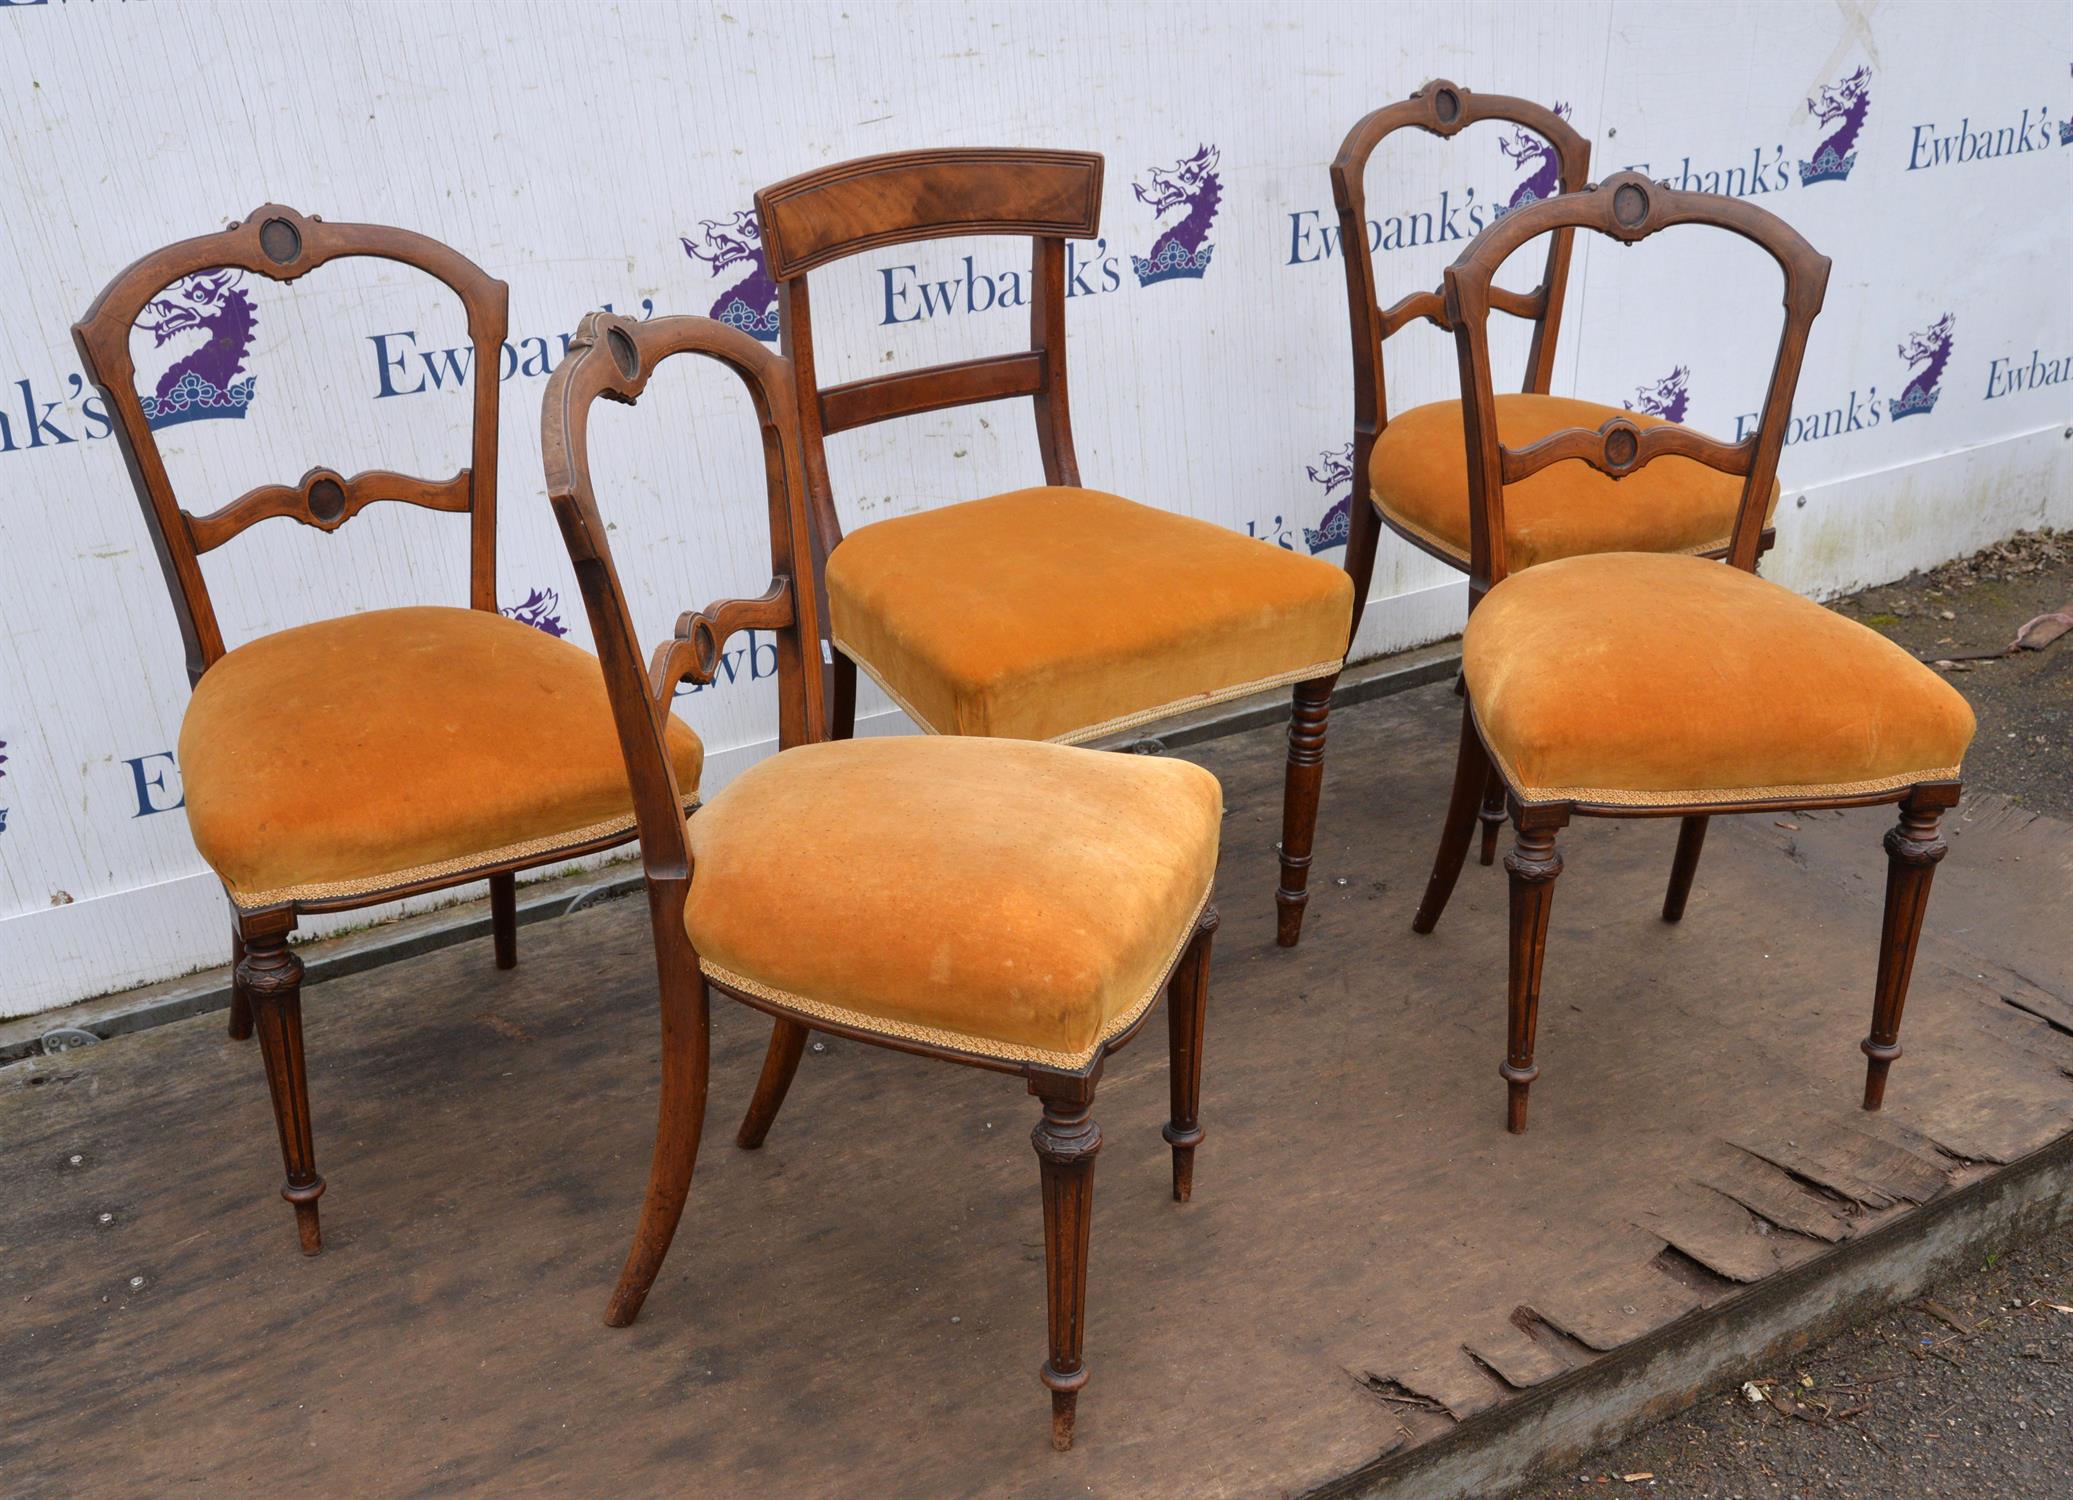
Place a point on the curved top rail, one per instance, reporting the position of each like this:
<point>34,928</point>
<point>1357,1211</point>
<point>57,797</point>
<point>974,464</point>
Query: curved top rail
<point>1445,109</point>
<point>278,242</point>
<point>615,357</point>
<point>1630,207</point>
<point>837,211</point>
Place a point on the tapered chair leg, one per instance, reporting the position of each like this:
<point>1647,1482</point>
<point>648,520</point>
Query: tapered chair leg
<point>787,1044</point>
<point>680,1118</point>
<point>1492,815</point>
<point>842,699</point>
<point>1472,772</point>
<point>1691,838</point>
<point>1533,865</point>
<point>503,918</point>
<point>1187,1005</point>
<point>240,1004</point>
<point>271,978</point>
<point>1912,851</point>
<point>1067,1141</point>
<point>1313,704</point>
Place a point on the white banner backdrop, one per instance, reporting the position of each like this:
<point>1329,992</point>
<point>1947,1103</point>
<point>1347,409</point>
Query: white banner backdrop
<point>592,154</point>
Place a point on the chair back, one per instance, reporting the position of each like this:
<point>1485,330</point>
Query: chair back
<point>1627,207</point>
<point>1443,109</point>
<point>614,357</point>
<point>281,244</point>
<point>838,211</point>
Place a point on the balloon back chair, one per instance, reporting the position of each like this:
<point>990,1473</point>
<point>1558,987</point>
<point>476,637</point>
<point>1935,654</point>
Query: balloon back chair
<point>359,759</point>
<point>1053,613</point>
<point>1011,906</point>
<point>1631,684</point>
<point>1413,464</point>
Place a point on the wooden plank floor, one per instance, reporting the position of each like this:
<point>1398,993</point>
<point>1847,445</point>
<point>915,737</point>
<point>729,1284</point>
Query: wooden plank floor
<point>858,1308</point>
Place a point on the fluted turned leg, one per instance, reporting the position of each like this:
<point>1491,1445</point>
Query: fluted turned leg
<point>1067,1141</point>
<point>780,1063</point>
<point>679,1120</point>
<point>1691,838</point>
<point>1472,772</point>
<point>842,699</point>
<point>503,919</point>
<point>240,1003</point>
<point>271,978</point>
<point>1492,815</point>
<point>1533,865</point>
<point>1313,704</point>
<point>1187,1003</point>
<point>1913,848</point>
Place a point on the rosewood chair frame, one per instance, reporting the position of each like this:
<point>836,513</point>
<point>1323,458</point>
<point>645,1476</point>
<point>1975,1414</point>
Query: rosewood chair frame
<point>614,357</point>
<point>283,245</point>
<point>1628,207</point>
<point>838,211</point>
<point>1444,109</point>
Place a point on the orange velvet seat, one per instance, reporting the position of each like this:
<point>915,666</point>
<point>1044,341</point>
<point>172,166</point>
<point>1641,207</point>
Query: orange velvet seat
<point>1019,901</point>
<point>1639,679</point>
<point>371,751</point>
<point>1066,614</point>
<point>1418,478</point>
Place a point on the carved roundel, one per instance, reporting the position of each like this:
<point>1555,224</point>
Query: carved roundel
<point>705,645</point>
<point>1446,104</point>
<point>281,241</point>
<point>1630,205</point>
<point>327,500</point>
<point>624,355</point>
<point>1622,443</point>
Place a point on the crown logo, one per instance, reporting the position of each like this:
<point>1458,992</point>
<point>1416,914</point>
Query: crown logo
<point>203,382</point>
<point>1183,249</point>
<point>1844,106</point>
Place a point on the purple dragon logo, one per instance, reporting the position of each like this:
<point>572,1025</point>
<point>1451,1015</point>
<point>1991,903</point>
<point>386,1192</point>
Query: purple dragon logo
<point>542,611</point>
<point>1333,468</point>
<point>3,775</point>
<point>1667,398</point>
<point>751,303</point>
<point>1930,349</point>
<point>1537,157</point>
<point>1842,106</point>
<point>1182,249</point>
<point>203,382</point>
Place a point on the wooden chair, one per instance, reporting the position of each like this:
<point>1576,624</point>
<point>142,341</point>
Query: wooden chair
<point>355,760</point>
<point>1004,905</point>
<point>1056,613</point>
<point>1414,463</point>
<point>1630,684</point>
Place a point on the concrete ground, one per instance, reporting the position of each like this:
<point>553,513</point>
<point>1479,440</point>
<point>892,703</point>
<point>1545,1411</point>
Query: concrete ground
<point>1969,1392</point>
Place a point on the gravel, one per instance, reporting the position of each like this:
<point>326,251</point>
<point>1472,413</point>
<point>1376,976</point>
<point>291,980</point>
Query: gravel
<point>1967,1392</point>
<point>2024,701</point>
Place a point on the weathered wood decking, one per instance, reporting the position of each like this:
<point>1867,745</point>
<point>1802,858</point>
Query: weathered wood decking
<point>857,1309</point>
